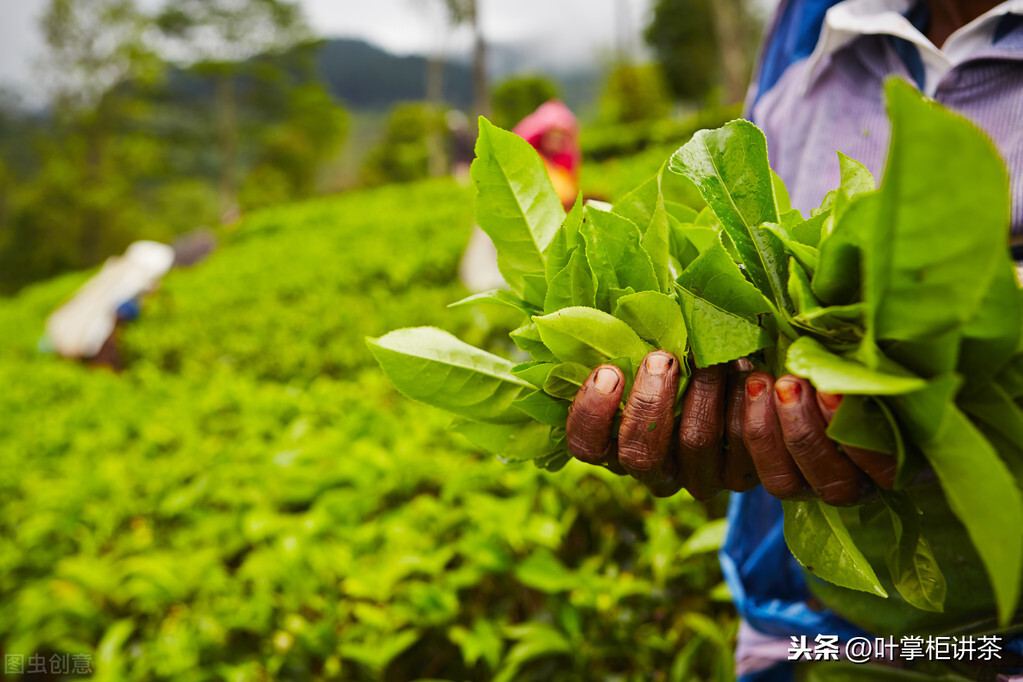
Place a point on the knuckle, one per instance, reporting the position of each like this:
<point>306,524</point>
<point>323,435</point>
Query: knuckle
<point>639,458</point>
<point>758,435</point>
<point>805,441</point>
<point>700,432</point>
<point>707,379</point>
<point>644,406</point>
<point>587,439</point>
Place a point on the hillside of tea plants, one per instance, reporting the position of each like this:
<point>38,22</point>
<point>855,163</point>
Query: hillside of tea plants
<point>250,500</point>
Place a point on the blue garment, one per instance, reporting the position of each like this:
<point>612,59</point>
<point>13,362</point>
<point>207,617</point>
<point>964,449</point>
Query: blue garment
<point>766,582</point>
<point>129,310</point>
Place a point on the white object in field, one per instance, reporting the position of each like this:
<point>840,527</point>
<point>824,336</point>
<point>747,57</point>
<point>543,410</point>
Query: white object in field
<point>78,328</point>
<point>478,269</point>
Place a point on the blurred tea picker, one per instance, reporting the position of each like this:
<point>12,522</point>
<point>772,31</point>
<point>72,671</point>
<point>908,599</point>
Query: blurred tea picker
<point>553,131</point>
<point>84,327</point>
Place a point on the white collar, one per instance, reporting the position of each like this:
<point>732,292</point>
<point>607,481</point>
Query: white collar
<point>851,19</point>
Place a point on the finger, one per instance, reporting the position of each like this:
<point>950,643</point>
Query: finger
<point>763,438</point>
<point>611,459</point>
<point>832,475</point>
<point>880,466</point>
<point>739,473</point>
<point>701,432</point>
<point>588,429</point>
<point>644,438</point>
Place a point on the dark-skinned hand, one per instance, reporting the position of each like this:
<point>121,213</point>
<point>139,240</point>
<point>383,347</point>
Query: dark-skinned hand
<point>738,429</point>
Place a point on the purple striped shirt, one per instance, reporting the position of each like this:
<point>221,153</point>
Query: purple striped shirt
<point>843,109</point>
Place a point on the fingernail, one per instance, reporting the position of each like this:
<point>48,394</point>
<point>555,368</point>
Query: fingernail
<point>659,363</point>
<point>755,388</point>
<point>743,365</point>
<point>788,391</point>
<point>830,400</point>
<point>606,381</point>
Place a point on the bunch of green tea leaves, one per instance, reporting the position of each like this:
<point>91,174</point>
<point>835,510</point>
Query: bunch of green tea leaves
<point>901,298</point>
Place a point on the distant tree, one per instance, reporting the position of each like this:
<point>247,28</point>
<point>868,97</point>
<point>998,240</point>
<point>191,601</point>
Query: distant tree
<point>704,44</point>
<point>635,93</point>
<point>92,46</point>
<point>515,98</point>
<point>293,152</point>
<point>218,36</point>
<point>467,12</point>
<point>95,65</point>
<point>404,152</point>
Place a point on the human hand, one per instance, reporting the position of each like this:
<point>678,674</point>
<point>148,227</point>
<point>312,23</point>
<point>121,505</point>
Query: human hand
<point>737,428</point>
<point>784,429</point>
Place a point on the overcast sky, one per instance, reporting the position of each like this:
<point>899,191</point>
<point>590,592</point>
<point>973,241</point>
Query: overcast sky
<point>570,31</point>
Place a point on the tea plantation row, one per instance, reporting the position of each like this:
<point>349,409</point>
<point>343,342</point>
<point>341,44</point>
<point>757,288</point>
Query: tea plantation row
<point>250,500</point>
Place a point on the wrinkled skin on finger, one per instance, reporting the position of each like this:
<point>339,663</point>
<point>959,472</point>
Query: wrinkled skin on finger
<point>785,431</point>
<point>591,415</point>
<point>648,420</point>
<point>644,446</point>
<point>740,474</point>
<point>738,428</point>
<point>701,432</point>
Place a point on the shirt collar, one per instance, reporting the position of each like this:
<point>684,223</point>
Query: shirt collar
<point>851,19</point>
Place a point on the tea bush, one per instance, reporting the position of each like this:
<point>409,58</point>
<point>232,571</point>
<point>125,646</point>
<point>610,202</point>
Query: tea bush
<point>249,500</point>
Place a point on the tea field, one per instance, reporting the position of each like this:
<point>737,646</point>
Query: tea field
<point>250,500</point>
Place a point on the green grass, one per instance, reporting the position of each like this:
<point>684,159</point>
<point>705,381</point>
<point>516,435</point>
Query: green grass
<point>250,500</point>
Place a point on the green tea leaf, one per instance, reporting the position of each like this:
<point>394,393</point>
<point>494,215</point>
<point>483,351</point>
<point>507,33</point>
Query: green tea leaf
<point>856,180</point>
<point>498,297</point>
<point>615,253</point>
<point>543,408</point>
<point>715,277</point>
<point>919,285</point>
<point>992,406</point>
<point>574,285</point>
<point>807,358</point>
<point>803,300</point>
<point>863,422</point>
<point>589,337</point>
<point>922,412</point>
<point>820,541</point>
<point>516,205</point>
<point>527,338</point>
<point>716,335</point>
<point>639,205</point>
<point>807,232</point>
<point>565,240</point>
<point>689,241</point>
<point>683,214</point>
<point>565,380</point>
<point>657,244</point>
<point>807,256</point>
<point>911,561</point>
<point>729,166</point>
<point>657,319</point>
<point>433,367</point>
<point>781,193</point>
<point>983,495</point>
<point>535,372</point>
<point>514,442</point>
<point>991,336</point>
<point>836,280</point>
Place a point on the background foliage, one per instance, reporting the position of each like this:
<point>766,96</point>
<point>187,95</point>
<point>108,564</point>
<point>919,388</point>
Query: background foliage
<point>248,501</point>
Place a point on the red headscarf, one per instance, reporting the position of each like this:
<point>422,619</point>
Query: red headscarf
<point>553,115</point>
